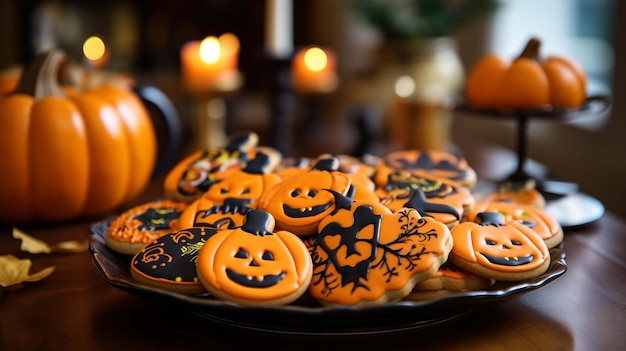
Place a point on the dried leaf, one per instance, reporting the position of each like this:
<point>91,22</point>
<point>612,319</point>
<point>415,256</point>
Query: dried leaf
<point>70,246</point>
<point>36,246</point>
<point>15,271</point>
<point>30,244</point>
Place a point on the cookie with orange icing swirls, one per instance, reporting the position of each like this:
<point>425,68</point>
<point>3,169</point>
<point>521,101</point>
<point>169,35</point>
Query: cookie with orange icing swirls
<point>169,262</point>
<point>441,164</point>
<point>492,248</point>
<point>367,255</point>
<point>140,225</point>
<point>400,184</point>
<point>192,176</point>
<point>226,202</point>
<point>255,265</point>
<point>300,202</point>
<point>536,219</point>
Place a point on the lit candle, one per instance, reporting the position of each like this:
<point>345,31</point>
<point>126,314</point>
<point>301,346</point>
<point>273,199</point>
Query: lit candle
<point>314,70</point>
<point>96,52</point>
<point>211,64</point>
<point>279,28</point>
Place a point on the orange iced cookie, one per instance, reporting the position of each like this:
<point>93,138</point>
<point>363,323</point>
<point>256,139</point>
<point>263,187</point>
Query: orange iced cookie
<point>192,176</point>
<point>226,202</point>
<point>300,202</point>
<point>400,184</point>
<point>453,278</point>
<point>538,220</point>
<point>367,255</point>
<point>169,262</point>
<point>253,265</point>
<point>435,163</point>
<point>493,248</point>
<point>138,226</point>
<point>523,193</point>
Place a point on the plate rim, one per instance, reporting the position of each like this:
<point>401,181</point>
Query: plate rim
<point>446,307</point>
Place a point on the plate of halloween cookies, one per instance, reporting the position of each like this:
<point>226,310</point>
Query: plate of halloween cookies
<point>330,245</point>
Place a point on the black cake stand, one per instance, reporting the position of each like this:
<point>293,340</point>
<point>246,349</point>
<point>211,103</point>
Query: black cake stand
<point>565,202</point>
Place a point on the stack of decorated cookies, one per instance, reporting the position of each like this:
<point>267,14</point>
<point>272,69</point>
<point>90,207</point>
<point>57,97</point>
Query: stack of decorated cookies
<point>250,227</point>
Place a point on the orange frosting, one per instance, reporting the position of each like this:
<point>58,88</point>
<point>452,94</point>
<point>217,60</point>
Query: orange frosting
<point>396,192</point>
<point>510,242</point>
<point>147,222</point>
<point>252,263</point>
<point>301,201</point>
<point>240,190</point>
<point>540,222</point>
<point>367,254</point>
<point>435,163</point>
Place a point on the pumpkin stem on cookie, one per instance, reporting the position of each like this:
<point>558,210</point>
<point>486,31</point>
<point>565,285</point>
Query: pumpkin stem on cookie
<point>258,222</point>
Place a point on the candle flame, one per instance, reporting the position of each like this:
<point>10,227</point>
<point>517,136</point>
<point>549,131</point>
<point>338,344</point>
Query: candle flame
<point>94,48</point>
<point>405,86</point>
<point>315,59</point>
<point>229,43</point>
<point>210,50</point>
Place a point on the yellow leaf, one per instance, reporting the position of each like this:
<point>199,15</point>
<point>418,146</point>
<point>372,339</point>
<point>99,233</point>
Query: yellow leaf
<point>15,271</point>
<point>70,246</point>
<point>36,246</point>
<point>30,244</point>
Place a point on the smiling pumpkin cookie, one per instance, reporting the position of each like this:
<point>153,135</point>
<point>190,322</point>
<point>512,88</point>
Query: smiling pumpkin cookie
<point>253,265</point>
<point>493,248</point>
<point>299,203</point>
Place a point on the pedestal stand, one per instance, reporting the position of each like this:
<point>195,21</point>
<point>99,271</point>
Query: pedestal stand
<point>563,198</point>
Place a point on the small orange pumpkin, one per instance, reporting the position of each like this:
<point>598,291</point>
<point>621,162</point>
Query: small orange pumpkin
<point>526,82</point>
<point>66,153</point>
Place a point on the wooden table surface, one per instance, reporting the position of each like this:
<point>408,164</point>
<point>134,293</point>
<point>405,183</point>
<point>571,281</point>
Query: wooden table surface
<point>75,309</point>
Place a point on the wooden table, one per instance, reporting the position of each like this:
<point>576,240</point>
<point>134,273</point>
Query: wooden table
<point>75,309</point>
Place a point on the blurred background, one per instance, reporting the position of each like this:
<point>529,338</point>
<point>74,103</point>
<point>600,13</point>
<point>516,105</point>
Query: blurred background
<point>373,43</point>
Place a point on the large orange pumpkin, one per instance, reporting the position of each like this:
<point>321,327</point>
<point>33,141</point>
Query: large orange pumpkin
<point>526,82</point>
<point>67,153</point>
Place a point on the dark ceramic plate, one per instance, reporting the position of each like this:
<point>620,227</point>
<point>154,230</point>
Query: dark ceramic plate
<point>305,317</point>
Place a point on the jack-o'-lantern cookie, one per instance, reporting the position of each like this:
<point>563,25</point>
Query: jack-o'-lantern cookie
<point>138,226</point>
<point>435,163</point>
<point>169,262</point>
<point>192,176</point>
<point>493,248</point>
<point>538,220</point>
<point>520,192</point>
<point>253,265</point>
<point>226,202</point>
<point>366,255</point>
<point>400,184</point>
<point>453,278</point>
<point>299,203</point>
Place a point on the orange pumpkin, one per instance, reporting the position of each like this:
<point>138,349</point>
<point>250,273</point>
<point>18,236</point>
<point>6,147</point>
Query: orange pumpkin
<point>526,82</point>
<point>67,153</point>
<point>9,79</point>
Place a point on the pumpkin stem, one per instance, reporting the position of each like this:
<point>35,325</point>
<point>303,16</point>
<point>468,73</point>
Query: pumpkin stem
<point>531,50</point>
<point>42,77</point>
